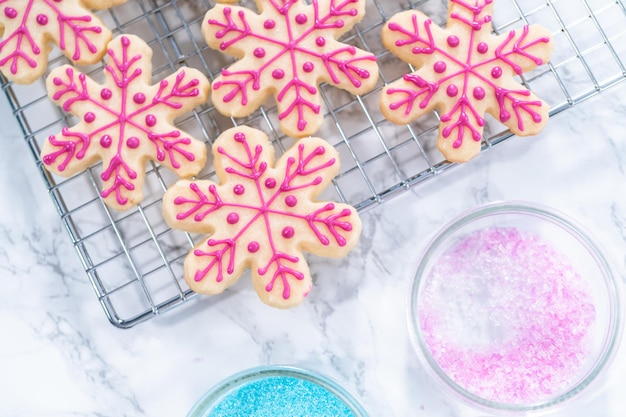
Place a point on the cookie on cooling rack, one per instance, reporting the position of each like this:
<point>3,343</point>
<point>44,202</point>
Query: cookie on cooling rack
<point>125,122</point>
<point>287,51</point>
<point>464,71</point>
<point>262,216</point>
<point>30,28</point>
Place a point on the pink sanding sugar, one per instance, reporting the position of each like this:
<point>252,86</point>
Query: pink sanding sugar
<point>507,317</point>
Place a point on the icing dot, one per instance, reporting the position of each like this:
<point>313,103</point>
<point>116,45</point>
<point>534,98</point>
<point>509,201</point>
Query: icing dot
<point>453,41</point>
<point>308,66</point>
<point>479,93</point>
<point>269,24</point>
<point>320,41</point>
<point>232,218</point>
<point>139,98</point>
<point>42,19</point>
<point>239,189</point>
<point>452,90</point>
<point>240,137</point>
<point>440,67</point>
<point>106,141</point>
<point>301,19</point>
<point>278,74</point>
<point>253,247</point>
<point>259,52</point>
<point>482,47</point>
<point>270,183</point>
<point>291,200</point>
<point>10,12</point>
<point>496,72</point>
<point>151,120</point>
<point>89,117</point>
<point>288,232</point>
<point>133,142</point>
<point>106,94</point>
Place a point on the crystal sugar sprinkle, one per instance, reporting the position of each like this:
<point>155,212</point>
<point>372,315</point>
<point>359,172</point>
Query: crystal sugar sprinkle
<point>507,316</point>
<point>282,396</point>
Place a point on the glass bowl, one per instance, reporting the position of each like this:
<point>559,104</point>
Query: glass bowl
<point>514,309</point>
<point>277,391</point>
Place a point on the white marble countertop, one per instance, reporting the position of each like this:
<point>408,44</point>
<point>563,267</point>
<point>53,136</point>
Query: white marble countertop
<point>59,356</point>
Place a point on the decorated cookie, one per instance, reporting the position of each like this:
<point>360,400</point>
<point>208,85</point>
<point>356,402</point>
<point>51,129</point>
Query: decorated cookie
<point>125,122</point>
<point>30,27</point>
<point>464,71</point>
<point>262,216</point>
<point>287,51</point>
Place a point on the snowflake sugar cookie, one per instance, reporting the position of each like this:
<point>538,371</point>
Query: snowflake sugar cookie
<point>287,51</point>
<point>125,122</point>
<point>262,216</point>
<point>465,72</point>
<point>30,27</point>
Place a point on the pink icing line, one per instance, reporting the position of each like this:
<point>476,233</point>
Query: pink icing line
<point>466,110</point>
<point>123,72</point>
<point>21,33</point>
<point>241,79</point>
<point>476,22</point>
<point>255,170</point>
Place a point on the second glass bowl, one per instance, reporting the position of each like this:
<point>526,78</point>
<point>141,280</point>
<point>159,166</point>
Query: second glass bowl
<point>514,309</point>
<point>272,391</point>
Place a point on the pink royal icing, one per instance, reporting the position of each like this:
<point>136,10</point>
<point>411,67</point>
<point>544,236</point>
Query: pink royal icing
<point>297,94</point>
<point>470,62</point>
<point>76,31</point>
<point>265,194</point>
<point>126,125</point>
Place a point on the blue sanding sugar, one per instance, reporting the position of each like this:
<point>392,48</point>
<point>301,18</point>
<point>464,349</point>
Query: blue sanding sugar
<point>280,396</point>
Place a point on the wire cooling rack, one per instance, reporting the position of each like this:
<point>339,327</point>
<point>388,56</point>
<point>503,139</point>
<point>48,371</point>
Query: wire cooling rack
<point>134,260</point>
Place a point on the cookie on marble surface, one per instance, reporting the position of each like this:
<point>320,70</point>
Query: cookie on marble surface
<point>262,216</point>
<point>30,28</point>
<point>125,121</point>
<point>464,71</point>
<point>286,51</point>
